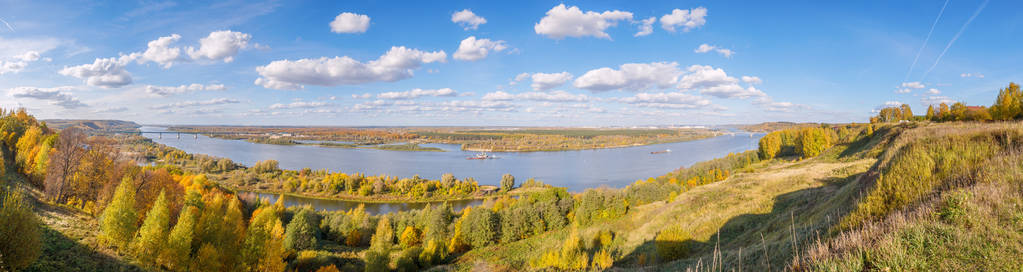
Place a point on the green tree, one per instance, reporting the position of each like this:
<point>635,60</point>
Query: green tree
<point>302,231</point>
<point>507,182</point>
<point>152,236</point>
<point>481,227</point>
<point>383,238</point>
<point>118,223</point>
<point>377,261</point>
<point>179,243</point>
<point>19,230</point>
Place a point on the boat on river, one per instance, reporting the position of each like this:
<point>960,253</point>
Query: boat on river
<point>481,156</point>
<point>661,152</point>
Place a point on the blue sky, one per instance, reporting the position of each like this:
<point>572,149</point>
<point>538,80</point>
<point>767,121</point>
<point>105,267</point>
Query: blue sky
<point>574,63</point>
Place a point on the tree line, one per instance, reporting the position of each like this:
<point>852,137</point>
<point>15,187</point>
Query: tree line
<point>1008,105</point>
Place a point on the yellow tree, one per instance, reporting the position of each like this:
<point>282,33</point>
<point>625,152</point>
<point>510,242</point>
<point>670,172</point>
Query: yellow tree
<point>119,218</point>
<point>179,243</point>
<point>153,234</point>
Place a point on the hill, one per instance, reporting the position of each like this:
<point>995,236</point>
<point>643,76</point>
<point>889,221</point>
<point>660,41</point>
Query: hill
<point>93,126</point>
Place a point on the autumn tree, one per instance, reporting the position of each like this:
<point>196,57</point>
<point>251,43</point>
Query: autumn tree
<point>481,227</point>
<point>119,218</point>
<point>152,235</point>
<point>943,113</point>
<point>930,113</point>
<point>907,112</point>
<point>207,259</point>
<point>410,237</point>
<point>770,145</point>
<point>383,238</point>
<point>63,163</point>
<point>176,254</point>
<point>1009,103</point>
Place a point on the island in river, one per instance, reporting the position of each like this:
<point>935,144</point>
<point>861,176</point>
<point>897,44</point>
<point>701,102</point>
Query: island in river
<point>511,139</point>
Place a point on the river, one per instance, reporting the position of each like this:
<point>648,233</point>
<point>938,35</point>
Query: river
<point>576,170</point>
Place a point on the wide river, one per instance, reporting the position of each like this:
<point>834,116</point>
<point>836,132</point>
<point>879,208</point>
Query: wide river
<point>576,170</point>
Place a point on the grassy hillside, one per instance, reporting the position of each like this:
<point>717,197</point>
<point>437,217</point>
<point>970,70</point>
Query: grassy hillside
<point>915,196</point>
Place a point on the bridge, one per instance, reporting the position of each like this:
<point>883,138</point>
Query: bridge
<point>177,133</point>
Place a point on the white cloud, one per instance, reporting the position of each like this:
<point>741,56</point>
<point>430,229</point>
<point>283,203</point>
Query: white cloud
<point>544,81</point>
<point>933,91</point>
<point>936,99</point>
<point>472,49</point>
<point>467,19</point>
<point>167,90</point>
<point>397,64</point>
<point>348,22</point>
<point>111,110</point>
<point>704,48</point>
<point>220,45</point>
<point>215,101</point>
<point>675,100</point>
<point>770,105</point>
<point>914,85</point>
<point>646,26</point>
<point>416,93</point>
<point>19,63</point>
<point>554,96</point>
<point>106,73</point>
<point>976,75</point>
<point>687,19</point>
<point>715,82</point>
<point>57,96</point>
<point>630,76</point>
<point>161,52</point>
<point>362,96</point>
<point>752,80</point>
<point>298,105</point>
<point>562,22</point>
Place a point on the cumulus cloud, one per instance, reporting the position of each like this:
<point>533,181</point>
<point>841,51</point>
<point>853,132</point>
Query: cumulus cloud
<point>908,87</point>
<point>467,19</point>
<point>103,72</point>
<point>220,45</point>
<point>704,48</point>
<point>298,105</point>
<point>715,82</point>
<point>555,96</point>
<point>544,81</point>
<point>19,62</point>
<point>631,77</point>
<point>215,101</point>
<point>362,96</point>
<point>416,93</point>
<point>57,96</point>
<point>751,80</point>
<point>646,26</point>
<point>111,110</point>
<point>472,49</point>
<point>933,91</point>
<point>161,52</point>
<point>194,87</point>
<point>348,22</point>
<point>561,22</point>
<point>687,19</point>
<point>397,64</point>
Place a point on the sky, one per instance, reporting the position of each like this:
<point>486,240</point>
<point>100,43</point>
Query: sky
<point>512,63</point>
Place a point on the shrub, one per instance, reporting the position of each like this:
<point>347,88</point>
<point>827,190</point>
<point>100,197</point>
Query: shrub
<point>118,223</point>
<point>672,243</point>
<point>410,237</point>
<point>407,259</point>
<point>602,260</point>
<point>19,231</point>
<point>377,261</point>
